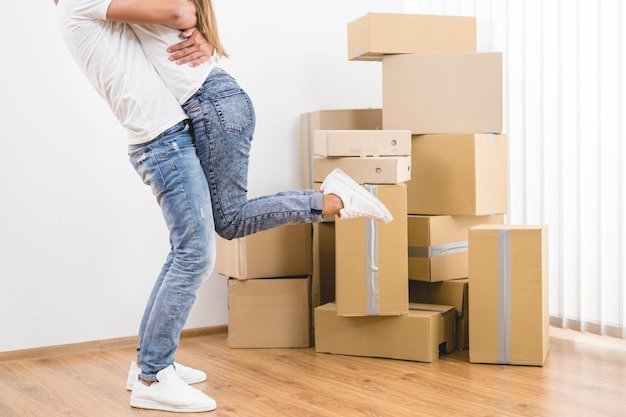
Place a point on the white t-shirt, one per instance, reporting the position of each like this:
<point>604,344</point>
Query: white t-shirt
<point>110,55</point>
<point>182,80</point>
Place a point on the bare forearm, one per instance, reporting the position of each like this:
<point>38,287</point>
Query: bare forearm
<point>179,14</point>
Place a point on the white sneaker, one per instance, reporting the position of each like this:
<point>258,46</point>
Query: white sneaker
<point>187,374</point>
<point>357,201</point>
<point>170,393</point>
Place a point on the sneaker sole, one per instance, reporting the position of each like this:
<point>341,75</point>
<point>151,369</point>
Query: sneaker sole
<point>153,405</point>
<point>190,381</point>
<point>129,386</point>
<point>356,187</point>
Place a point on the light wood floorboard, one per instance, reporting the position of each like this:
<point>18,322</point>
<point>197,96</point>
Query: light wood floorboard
<point>584,376</point>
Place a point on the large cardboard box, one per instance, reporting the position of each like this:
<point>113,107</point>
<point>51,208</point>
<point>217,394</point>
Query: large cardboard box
<point>508,297</point>
<point>377,34</point>
<point>349,119</point>
<point>418,336</point>
<point>438,245</point>
<point>284,251</point>
<point>362,143</point>
<point>443,93</point>
<point>268,313</point>
<point>453,293</point>
<point>458,174</point>
<point>367,170</point>
<point>371,261</point>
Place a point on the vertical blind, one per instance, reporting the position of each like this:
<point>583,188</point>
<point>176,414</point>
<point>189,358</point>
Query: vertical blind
<point>563,74</point>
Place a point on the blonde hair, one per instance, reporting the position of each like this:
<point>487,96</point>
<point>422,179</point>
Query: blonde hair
<point>207,24</point>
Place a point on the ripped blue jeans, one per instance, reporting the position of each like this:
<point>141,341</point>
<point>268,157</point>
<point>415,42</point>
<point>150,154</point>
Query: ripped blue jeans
<point>223,121</point>
<point>170,166</point>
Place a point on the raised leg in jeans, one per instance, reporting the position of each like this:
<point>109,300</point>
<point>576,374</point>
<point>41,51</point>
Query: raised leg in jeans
<point>223,122</point>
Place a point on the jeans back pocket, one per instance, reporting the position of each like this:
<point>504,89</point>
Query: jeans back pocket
<point>234,109</point>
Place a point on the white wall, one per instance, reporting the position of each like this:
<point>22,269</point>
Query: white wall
<point>81,237</point>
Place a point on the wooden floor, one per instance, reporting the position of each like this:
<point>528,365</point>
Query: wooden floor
<point>583,376</point>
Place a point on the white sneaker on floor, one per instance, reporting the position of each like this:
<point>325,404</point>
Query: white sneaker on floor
<point>170,393</point>
<point>357,201</point>
<point>187,374</point>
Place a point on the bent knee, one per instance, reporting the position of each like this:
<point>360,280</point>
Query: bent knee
<point>226,231</point>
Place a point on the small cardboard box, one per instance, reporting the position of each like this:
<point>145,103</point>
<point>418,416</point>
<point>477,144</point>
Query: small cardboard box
<point>508,297</point>
<point>368,170</point>
<point>438,245</point>
<point>443,93</point>
<point>284,251</point>
<point>453,293</point>
<point>371,260</point>
<point>420,335</point>
<point>268,313</point>
<point>377,34</point>
<point>458,174</point>
<point>349,119</point>
<point>362,143</point>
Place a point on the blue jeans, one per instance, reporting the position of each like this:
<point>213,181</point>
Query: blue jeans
<point>170,166</point>
<point>223,122</point>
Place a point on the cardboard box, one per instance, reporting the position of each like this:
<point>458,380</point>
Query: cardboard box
<point>377,34</point>
<point>362,143</point>
<point>323,277</point>
<point>458,174</point>
<point>508,298</point>
<point>284,251</point>
<point>453,293</point>
<point>418,336</point>
<point>443,93</point>
<point>368,170</point>
<point>349,119</point>
<point>438,245</point>
<point>268,313</point>
<point>371,260</point>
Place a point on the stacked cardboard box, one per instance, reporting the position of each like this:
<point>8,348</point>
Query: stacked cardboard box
<point>419,335</point>
<point>449,96</point>
<point>378,34</point>
<point>370,256</point>
<point>370,304</point>
<point>368,156</point>
<point>453,293</point>
<point>323,257</point>
<point>508,301</point>
<point>268,287</point>
<point>438,263</point>
<point>435,154</point>
<point>370,314</point>
<point>350,119</point>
